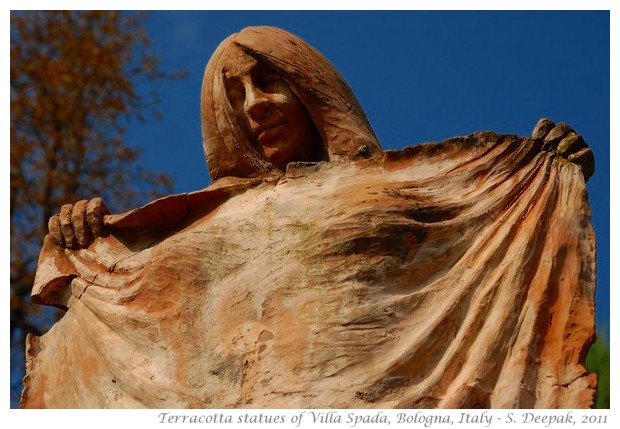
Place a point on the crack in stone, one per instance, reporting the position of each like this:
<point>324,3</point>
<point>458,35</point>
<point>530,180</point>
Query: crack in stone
<point>87,286</point>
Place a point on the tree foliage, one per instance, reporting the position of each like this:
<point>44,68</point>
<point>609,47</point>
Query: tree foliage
<point>598,362</point>
<point>73,89</point>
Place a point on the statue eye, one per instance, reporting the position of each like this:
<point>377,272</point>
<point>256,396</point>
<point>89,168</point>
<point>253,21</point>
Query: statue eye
<point>235,92</point>
<point>272,77</point>
<point>268,81</point>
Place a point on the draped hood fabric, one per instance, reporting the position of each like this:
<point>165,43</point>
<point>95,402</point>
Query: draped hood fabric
<point>332,106</point>
<point>457,274</point>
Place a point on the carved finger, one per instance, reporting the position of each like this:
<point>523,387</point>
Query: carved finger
<point>585,158</point>
<point>80,226</point>
<point>542,128</point>
<point>66,229</point>
<point>53,225</point>
<point>572,143</point>
<point>95,211</point>
<point>558,133</point>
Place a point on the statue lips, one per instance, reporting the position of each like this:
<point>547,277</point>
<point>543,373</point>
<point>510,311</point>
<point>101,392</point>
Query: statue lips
<point>266,134</point>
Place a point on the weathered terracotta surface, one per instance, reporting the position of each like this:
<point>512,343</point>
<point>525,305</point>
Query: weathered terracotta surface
<point>456,274</point>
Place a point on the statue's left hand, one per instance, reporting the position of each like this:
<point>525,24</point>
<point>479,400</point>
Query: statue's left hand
<point>77,225</point>
<point>566,143</point>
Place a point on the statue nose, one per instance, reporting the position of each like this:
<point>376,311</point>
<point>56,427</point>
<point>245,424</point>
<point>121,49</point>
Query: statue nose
<point>256,103</point>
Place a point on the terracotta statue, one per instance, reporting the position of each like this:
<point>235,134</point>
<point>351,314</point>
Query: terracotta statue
<point>319,270</point>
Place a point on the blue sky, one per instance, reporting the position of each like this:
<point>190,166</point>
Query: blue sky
<point>420,76</point>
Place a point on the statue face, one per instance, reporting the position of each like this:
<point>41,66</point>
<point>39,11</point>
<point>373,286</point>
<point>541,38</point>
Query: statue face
<point>278,122</point>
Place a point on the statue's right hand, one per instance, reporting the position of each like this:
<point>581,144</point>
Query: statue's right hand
<point>566,143</point>
<point>77,225</point>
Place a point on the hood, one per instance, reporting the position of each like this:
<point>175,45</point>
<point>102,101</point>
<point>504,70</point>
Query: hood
<point>330,103</point>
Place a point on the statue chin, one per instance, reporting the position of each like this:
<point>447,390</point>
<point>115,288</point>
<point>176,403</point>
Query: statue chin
<point>451,275</point>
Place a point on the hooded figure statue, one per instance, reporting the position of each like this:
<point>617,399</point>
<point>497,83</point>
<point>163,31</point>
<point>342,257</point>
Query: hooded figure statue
<point>318,271</point>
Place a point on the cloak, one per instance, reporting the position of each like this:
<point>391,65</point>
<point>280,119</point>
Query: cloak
<point>457,274</point>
